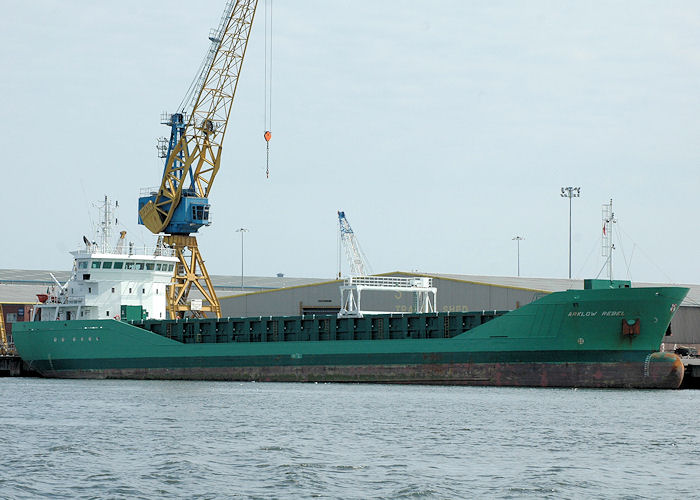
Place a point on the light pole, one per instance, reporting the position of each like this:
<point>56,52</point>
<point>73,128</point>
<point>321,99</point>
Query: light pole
<point>570,192</point>
<point>518,239</point>
<point>242,230</point>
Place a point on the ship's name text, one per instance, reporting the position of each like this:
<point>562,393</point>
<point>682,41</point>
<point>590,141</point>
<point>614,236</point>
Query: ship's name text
<point>590,314</point>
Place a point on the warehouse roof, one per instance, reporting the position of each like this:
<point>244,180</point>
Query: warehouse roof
<point>22,285</point>
<point>553,284</point>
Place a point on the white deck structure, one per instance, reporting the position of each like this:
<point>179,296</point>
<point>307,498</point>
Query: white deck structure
<point>103,282</point>
<point>351,293</point>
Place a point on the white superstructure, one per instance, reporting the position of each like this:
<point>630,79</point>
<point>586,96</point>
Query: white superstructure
<point>106,278</point>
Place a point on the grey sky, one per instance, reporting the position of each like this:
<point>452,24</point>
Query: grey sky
<point>443,129</point>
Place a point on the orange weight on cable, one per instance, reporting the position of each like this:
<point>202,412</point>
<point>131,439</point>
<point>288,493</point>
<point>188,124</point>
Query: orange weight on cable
<point>268,135</point>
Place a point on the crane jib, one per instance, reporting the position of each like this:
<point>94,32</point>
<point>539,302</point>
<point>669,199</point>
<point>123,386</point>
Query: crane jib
<point>194,149</point>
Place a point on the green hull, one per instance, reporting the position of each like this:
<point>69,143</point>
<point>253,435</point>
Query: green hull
<point>577,338</point>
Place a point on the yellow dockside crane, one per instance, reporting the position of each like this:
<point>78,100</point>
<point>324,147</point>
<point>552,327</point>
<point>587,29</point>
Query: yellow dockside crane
<point>193,157</point>
<point>5,348</point>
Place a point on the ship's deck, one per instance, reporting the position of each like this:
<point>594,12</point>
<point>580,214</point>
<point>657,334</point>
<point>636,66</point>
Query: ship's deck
<point>318,327</point>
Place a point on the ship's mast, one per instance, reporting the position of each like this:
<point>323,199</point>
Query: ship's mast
<point>106,224</point>
<point>607,240</point>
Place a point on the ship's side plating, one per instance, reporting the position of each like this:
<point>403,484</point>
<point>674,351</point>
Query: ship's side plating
<point>584,338</point>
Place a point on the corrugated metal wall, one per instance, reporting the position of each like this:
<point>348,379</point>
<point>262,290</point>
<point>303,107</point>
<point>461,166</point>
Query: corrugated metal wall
<point>452,295</point>
<point>685,327</point>
<point>282,302</point>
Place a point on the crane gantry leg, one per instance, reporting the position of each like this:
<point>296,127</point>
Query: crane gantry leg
<point>189,271</point>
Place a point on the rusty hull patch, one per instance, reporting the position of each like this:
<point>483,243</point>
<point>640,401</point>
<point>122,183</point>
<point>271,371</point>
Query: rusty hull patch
<point>660,370</point>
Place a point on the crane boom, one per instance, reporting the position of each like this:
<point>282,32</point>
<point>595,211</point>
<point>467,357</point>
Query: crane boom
<point>358,264</point>
<point>197,152</point>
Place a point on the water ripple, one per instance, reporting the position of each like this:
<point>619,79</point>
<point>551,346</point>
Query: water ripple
<point>207,440</point>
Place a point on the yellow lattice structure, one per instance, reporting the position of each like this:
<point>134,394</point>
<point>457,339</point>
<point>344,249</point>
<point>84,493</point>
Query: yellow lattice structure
<point>189,271</point>
<point>5,348</point>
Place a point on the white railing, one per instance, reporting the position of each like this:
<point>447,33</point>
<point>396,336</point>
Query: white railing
<point>148,191</point>
<point>389,281</point>
<point>127,250</point>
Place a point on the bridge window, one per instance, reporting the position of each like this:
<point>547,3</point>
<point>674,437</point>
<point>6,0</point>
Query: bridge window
<point>139,266</point>
<point>106,265</point>
<point>129,265</point>
<point>96,264</point>
<point>118,265</point>
<point>149,266</point>
<point>82,264</point>
<point>200,212</point>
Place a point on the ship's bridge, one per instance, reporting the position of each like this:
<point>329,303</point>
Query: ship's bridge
<point>102,282</point>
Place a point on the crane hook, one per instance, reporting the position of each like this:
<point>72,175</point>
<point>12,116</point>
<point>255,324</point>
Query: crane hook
<point>268,136</point>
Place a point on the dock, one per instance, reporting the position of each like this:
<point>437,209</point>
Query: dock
<point>10,366</point>
<point>691,379</point>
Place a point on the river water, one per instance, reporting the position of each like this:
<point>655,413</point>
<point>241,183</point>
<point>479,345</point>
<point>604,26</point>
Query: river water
<point>155,439</point>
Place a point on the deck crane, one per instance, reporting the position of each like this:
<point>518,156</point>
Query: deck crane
<point>356,258</point>
<point>193,154</point>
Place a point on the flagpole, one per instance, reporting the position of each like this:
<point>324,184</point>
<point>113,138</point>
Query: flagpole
<point>570,192</point>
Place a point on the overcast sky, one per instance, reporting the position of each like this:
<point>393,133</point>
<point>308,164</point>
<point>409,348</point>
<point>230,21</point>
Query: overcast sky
<point>443,129</point>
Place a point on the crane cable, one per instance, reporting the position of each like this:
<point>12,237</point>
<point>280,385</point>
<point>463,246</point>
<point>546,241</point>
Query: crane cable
<point>268,83</point>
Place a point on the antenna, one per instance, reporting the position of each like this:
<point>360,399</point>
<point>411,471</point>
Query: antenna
<point>106,224</point>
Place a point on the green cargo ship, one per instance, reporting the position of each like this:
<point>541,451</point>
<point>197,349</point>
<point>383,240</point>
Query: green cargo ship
<point>596,337</point>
